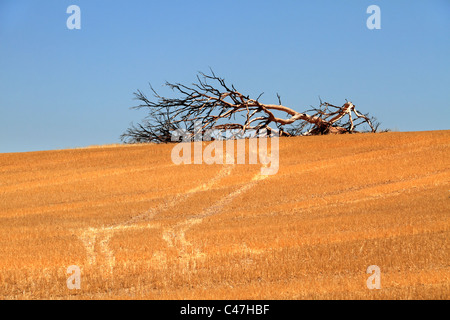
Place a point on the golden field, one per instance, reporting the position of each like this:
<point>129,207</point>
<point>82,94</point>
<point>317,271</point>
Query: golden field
<point>140,227</point>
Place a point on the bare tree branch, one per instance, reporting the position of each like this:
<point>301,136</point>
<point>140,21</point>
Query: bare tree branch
<point>213,103</point>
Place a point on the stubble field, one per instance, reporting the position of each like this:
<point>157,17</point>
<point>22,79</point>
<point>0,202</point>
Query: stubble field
<point>141,227</point>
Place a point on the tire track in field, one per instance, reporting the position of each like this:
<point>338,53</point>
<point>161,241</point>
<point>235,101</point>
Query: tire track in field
<point>96,240</point>
<point>175,236</point>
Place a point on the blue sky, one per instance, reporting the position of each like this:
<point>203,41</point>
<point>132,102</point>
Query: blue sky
<point>62,88</point>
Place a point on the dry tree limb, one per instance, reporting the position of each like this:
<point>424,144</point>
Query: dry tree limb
<point>216,106</point>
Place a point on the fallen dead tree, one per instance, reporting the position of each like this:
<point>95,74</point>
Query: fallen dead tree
<point>216,105</point>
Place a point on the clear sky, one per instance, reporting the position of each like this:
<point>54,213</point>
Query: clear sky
<point>62,88</point>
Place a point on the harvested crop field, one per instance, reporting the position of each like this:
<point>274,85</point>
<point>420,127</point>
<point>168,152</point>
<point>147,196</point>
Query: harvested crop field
<point>141,227</point>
